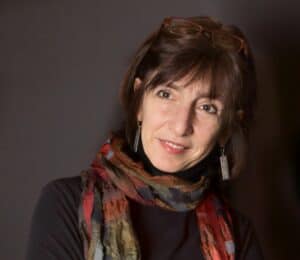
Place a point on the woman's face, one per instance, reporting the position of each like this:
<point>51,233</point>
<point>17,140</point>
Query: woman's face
<point>180,124</point>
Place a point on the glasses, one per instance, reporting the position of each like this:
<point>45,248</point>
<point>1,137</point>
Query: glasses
<point>209,28</point>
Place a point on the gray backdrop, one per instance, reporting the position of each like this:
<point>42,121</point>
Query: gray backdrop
<point>61,63</point>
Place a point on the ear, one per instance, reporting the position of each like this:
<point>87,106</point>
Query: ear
<point>223,139</point>
<point>140,115</point>
<point>240,114</point>
<point>137,83</point>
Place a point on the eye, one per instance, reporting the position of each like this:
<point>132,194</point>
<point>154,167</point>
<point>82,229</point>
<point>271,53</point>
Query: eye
<point>163,94</point>
<point>209,108</point>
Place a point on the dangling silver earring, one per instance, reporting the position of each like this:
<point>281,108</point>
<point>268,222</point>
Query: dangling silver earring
<point>224,164</point>
<point>137,137</point>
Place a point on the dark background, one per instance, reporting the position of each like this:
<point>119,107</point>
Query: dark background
<point>61,64</point>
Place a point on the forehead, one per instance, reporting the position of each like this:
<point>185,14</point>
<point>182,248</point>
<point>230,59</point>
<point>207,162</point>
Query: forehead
<point>201,86</point>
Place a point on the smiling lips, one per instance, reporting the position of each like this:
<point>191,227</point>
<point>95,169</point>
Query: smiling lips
<point>172,147</point>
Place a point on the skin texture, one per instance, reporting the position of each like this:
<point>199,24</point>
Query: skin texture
<point>180,123</point>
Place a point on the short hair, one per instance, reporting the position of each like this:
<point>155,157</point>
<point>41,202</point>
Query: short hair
<point>205,49</point>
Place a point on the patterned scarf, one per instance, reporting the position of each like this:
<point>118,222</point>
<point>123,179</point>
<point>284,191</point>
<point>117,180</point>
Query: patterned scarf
<point>104,213</point>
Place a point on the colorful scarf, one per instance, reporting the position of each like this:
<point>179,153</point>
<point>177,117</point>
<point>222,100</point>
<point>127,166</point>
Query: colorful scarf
<point>114,179</point>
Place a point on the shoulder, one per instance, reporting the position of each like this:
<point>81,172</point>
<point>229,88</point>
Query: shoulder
<point>68,187</point>
<point>54,225</point>
<point>59,198</point>
<point>64,184</point>
<point>247,243</point>
<point>64,192</point>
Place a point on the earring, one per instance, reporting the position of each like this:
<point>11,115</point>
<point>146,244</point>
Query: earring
<point>137,137</point>
<point>224,165</point>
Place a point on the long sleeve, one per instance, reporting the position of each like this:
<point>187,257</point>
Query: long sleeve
<point>248,246</point>
<point>54,229</point>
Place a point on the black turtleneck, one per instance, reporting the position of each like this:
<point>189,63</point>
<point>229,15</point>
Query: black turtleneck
<point>162,234</point>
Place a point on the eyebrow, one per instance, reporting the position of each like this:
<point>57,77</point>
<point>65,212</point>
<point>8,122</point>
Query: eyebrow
<point>202,95</point>
<point>173,85</point>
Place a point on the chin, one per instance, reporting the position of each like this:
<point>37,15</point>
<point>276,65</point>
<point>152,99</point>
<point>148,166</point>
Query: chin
<point>167,167</point>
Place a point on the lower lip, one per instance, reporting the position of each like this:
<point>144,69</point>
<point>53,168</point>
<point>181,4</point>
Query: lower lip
<point>171,149</point>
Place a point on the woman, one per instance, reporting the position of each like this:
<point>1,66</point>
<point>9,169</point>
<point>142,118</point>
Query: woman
<point>153,190</point>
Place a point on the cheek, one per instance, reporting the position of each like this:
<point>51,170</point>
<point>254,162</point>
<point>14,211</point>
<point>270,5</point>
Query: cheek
<point>154,114</point>
<point>152,121</point>
<point>207,131</point>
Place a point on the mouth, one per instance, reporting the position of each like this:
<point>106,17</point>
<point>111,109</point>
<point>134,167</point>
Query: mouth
<point>172,147</point>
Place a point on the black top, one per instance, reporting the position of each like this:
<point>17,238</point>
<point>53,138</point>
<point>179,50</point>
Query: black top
<point>162,234</point>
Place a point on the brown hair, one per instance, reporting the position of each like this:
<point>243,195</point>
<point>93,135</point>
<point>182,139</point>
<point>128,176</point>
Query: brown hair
<point>204,48</point>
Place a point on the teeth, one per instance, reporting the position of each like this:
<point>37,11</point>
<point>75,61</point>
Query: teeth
<point>175,146</point>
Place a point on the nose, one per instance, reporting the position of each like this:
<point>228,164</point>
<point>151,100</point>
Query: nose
<point>182,121</point>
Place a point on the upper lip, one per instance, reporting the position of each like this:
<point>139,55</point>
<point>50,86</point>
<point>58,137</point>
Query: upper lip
<point>176,143</point>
